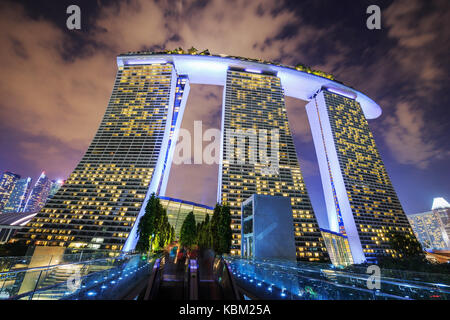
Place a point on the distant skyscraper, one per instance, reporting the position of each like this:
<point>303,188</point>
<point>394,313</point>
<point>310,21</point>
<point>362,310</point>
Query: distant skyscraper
<point>55,186</point>
<point>360,199</point>
<point>38,195</point>
<point>429,230</point>
<point>442,208</point>
<point>18,197</point>
<point>255,101</point>
<point>7,183</point>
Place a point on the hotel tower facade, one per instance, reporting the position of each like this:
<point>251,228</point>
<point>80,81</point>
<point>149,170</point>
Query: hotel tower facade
<point>99,203</point>
<point>360,199</point>
<point>130,156</point>
<point>254,101</point>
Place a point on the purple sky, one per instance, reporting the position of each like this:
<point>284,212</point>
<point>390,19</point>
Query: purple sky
<point>56,83</point>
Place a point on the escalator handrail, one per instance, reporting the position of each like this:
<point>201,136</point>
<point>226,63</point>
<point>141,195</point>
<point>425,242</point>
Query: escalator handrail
<point>233,283</point>
<point>151,281</point>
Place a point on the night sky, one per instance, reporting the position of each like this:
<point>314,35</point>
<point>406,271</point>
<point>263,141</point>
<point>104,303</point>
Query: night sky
<point>55,83</point>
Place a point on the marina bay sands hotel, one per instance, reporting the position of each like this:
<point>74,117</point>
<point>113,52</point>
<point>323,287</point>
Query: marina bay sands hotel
<point>131,154</point>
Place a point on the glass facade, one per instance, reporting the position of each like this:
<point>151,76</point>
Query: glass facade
<point>255,101</point>
<point>100,201</point>
<point>441,208</point>
<point>338,248</point>
<point>55,186</point>
<point>177,211</point>
<point>18,197</point>
<point>7,183</point>
<point>358,192</point>
<point>429,230</point>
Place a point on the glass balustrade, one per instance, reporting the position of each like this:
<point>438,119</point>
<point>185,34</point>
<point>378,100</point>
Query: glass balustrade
<point>278,279</point>
<point>98,278</point>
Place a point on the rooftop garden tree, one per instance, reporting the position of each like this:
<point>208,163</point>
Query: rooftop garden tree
<point>188,234</point>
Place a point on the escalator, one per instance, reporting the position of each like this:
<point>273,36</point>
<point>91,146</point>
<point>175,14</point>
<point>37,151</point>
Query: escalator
<point>205,278</point>
<point>169,282</point>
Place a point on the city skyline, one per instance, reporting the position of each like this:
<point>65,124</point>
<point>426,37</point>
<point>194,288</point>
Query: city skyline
<point>16,193</point>
<point>415,157</point>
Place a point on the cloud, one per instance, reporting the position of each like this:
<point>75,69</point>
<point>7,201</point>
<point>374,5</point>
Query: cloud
<point>421,35</point>
<point>298,120</point>
<point>42,94</point>
<point>421,32</point>
<point>51,98</point>
<point>131,26</point>
<point>405,69</point>
<point>406,135</point>
<point>64,99</point>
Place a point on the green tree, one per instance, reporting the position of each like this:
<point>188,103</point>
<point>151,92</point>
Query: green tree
<point>204,233</point>
<point>192,50</point>
<point>163,231</point>
<point>154,228</point>
<point>188,234</point>
<point>405,244</point>
<point>214,227</point>
<point>147,224</point>
<point>172,234</point>
<point>224,229</point>
<point>220,229</point>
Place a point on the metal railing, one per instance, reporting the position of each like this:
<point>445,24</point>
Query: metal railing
<point>91,279</point>
<point>278,279</point>
<point>9,263</point>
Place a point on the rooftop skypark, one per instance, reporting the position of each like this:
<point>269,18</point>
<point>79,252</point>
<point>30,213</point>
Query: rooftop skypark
<point>194,51</point>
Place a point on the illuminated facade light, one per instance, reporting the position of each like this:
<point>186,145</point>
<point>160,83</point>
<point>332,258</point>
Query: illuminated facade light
<point>252,70</point>
<point>342,92</point>
<point>137,62</point>
<point>440,203</point>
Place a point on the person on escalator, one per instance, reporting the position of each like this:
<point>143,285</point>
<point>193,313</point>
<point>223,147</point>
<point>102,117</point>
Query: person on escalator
<point>193,254</point>
<point>181,256</point>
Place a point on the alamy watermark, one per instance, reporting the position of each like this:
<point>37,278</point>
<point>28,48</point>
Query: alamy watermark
<point>374,20</point>
<point>74,20</point>
<point>374,280</point>
<point>258,147</point>
<point>73,283</point>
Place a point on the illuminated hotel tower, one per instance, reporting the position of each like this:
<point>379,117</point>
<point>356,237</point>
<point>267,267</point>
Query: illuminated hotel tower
<point>360,199</point>
<point>38,195</point>
<point>99,203</point>
<point>255,101</point>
